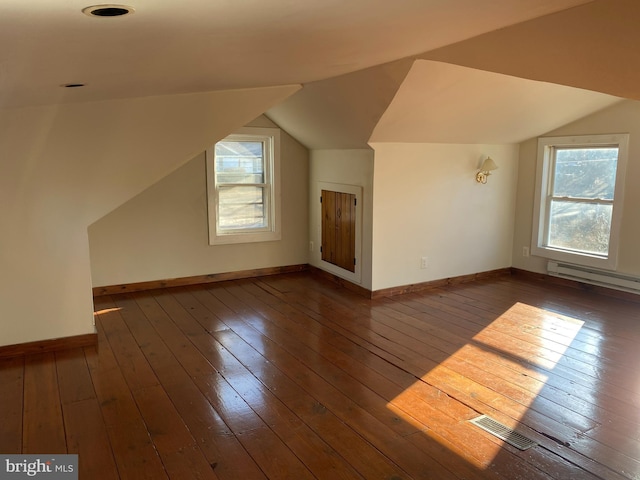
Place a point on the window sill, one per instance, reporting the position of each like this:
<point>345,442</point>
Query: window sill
<point>582,259</point>
<point>231,238</point>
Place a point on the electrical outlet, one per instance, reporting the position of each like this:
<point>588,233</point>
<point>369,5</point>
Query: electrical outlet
<point>311,246</point>
<point>424,262</point>
<point>525,251</point>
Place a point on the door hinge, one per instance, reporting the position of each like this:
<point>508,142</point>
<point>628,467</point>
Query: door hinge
<point>320,248</point>
<point>355,202</point>
<point>354,261</point>
<point>320,199</point>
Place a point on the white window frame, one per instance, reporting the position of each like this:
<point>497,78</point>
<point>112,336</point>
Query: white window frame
<point>544,179</point>
<point>270,137</point>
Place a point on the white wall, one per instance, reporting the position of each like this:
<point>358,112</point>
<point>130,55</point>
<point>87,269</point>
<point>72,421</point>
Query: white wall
<point>63,167</point>
<point>348,167</point>
<point>162,233</point>
<point>428,203</point>
<point>623,117</point>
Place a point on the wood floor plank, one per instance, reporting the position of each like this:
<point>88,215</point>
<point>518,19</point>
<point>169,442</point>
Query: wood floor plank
<point>336,369</point>
<point>87,436</point>
<point>275,458</point>
<point>43,425</point>
<point>408,404</point>
<point>580,387</point>
<point>225,453</point>
<point>333,430</point>
<point>364,421</point>
<point>242,419</point>
<point>553,427</point>
<point>74,379</point>
<point>348,444</point>
<point>293,376</point>
<point>408,349</point>
<point>588,401</point>
<point>176,362</point>
<point>317,455</point>
<point>521,322</point>
<point>134,452</point>
<point>221,448</point>
<point>11,404</point>
<point>477,364</point>
<point>589,333</point>
<point>85,428</point>
<point>180,456</point>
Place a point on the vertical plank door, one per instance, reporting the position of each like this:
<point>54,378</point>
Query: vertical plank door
<point>339,229</point>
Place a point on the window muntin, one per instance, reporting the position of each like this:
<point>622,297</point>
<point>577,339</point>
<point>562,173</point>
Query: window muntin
<point>243,188</point>
<point>579,198</point>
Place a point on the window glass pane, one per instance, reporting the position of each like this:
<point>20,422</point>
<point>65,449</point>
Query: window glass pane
<point>585,172</point>
<point>583,227</point>
<point>241,207</point>
<point>239,162</point>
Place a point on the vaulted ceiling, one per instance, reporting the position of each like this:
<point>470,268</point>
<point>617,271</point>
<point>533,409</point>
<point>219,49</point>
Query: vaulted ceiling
<point>361,62</point>
<point>545,72</point>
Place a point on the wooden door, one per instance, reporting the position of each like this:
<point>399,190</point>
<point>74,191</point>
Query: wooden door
<point>339,229</point>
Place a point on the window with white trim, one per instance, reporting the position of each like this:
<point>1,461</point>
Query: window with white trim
<point>243,187</point>
<point>579,198</point>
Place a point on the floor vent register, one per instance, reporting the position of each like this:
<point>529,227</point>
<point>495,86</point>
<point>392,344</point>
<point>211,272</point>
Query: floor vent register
<point>503,432</point>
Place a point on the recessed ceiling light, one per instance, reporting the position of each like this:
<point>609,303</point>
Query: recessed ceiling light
<point>107,10</point>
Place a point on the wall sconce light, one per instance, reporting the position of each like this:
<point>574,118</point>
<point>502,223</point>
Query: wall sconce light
<point>485,170</point>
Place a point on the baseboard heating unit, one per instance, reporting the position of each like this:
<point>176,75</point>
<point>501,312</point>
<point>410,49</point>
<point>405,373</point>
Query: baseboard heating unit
<point>594,276</point>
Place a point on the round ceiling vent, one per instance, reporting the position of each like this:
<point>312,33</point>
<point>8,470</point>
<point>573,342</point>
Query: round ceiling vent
<point>107,10</point>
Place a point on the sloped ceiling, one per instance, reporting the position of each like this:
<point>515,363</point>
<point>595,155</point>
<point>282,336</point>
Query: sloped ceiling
<point>343,111</point>
<point>444,103</point>
<point>187,46</point>
<point>593,47</point>
<point>352,58</point>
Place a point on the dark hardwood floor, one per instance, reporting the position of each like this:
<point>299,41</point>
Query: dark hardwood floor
<point>291,377</point>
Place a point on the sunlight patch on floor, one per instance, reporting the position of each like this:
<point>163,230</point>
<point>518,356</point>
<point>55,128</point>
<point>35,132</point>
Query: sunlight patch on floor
<point>493,372</point>
<point>106,310</point>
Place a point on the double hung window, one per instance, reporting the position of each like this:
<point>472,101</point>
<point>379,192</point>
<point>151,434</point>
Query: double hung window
<point>242,186</point>
<point>579,190</point>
